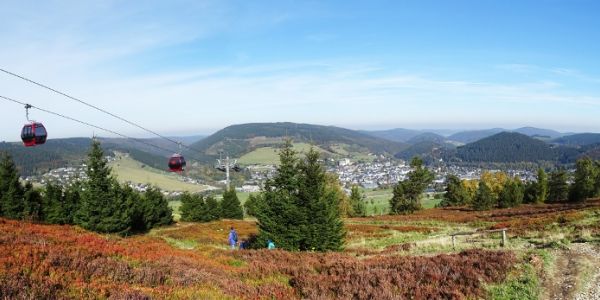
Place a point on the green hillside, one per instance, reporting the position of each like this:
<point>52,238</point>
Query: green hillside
<point>127,169</point>
<point>238,140</point>
<point>507,147</point>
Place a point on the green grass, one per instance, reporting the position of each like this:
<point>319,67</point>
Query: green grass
<point>270,155</point>
<point>377,201</point>
<point>521,284</point>
<point>128,169</point>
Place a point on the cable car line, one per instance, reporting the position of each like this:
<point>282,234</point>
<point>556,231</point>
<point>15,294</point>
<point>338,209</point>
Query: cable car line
<point>95,107</point>
<point>86,123</point>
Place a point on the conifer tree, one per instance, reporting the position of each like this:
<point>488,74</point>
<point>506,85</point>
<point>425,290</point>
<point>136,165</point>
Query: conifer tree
<point>297,210</point>
<point>32,204</point>
<point>11,191</point>
<point>155,209</point>
<point>484,199</point>
<point>558,188</point>
<point>512,194</point>
<point>530,192</point>
<point>281,217</point>
<point>456,194</point>
<point>325,231</point>
<point>399,202</point>
<point>230,205</point>
<point>251,204</point>
<point>192,208</point>
<point>541,186</point>
<point>213,209</point>
<point>407,194</point>
<point>104,205</point>
<point>54,204</point>
<point>584,179</point>
<point>359,208</point>
<point>333,185</point>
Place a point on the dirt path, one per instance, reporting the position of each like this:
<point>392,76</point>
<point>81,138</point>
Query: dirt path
<point>576,274</point>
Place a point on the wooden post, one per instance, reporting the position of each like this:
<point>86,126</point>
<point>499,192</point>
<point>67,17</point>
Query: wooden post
<point>454,242</point>
<point>504,238</point>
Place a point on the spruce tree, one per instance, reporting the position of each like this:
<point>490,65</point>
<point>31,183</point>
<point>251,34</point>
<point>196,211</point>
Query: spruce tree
<point>456,194</point>
<point>54,204</point>
<point>297,210</point>
<point>541,186</point>
<point>407,194</point>
<point>155,209</point>
<point>230,205</point>
<point>32,204</point>
<point>192,208</point>
<point>11,191</point>
<point>512,194</point>
<point>104,207</point>
<point>280,215</point>
<point>213,209</point>
<point>358,204</point>
<point>484,199</point>
<point>558,188</point>
<point>325,231</point>
<point>530,192</point>
<point>251,204</point>
<point>584,179</point>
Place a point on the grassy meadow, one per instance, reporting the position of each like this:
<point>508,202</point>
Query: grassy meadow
<point>128,169</point>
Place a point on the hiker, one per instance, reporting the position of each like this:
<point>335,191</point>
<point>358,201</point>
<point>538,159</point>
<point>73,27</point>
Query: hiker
<point>244,245</point>
<point>270,245</point>
<point>233,238</point>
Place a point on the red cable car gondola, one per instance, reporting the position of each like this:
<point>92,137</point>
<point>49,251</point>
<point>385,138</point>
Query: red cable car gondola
<point>176,163</point>
<point>33,134</point>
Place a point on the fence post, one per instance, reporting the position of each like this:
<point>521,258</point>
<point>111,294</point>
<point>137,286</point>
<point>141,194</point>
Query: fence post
<point>454,242</point>
<point>503,237</point>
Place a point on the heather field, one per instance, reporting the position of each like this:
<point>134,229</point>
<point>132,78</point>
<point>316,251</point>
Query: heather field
<point>386,257</point>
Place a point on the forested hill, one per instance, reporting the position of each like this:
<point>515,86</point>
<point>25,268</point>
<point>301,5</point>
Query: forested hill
<point>56,153</point>
<point>580,139</point>
<point>507,147</point>
<point>239,139</point>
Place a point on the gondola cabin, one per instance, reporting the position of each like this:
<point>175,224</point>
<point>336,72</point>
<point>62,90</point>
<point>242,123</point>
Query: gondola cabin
<point>176,163</point>
<point>33,134</point>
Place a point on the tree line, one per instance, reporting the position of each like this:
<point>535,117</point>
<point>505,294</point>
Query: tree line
<point>498,190</point>
<point>98,203</point>
<point>199,208</point>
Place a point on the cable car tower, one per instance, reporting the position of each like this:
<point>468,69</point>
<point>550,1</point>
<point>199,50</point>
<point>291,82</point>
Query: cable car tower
<point>225,165</point>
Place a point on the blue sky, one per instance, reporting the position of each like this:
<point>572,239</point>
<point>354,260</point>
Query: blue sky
<point>194,67</point>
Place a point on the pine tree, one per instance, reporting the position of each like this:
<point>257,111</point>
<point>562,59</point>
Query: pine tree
<point>251,204</point>
<point>230,205</point>
<point>155,209</point>
<point>558,188</point>
<point>213,209</point>
<point>280,215</point>
<point>358,204</point>
<point>399,202</point>
<point>541,186</point>
<point>11,191</point>
<point>192,208</point>
<point>530,192</point>
<point>104,205</point>
<point>409,200</point>
<point>32,204</point>
<point>297,210</point>
<point>512,194</point>
<point>456,194</point>
<point>325,231</point>
<point>54,206</point>
<point>484,199</point>
<point>583,185</point>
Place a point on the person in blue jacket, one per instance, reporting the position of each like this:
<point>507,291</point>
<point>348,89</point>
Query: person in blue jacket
<point>233,238</point>
<point>270,245</point>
